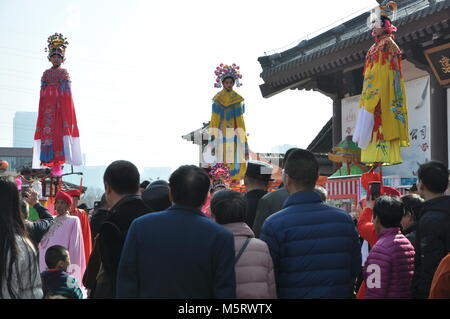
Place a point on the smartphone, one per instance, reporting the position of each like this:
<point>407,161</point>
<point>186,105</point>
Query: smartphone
<point>375,190</point>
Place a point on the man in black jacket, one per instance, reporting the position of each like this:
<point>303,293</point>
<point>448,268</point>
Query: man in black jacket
<point>121,181</point>
<point>256,181</point>
<point>433,231</point>
<point>99,216</point>
<point>271,202</point>
<point>36,229</point>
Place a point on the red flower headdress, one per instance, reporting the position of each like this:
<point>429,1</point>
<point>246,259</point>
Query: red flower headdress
<point>220,176</point>
<point>227,71</point>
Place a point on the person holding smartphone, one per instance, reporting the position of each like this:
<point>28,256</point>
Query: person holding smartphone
<point>36,229</point>
<point>365,226</point>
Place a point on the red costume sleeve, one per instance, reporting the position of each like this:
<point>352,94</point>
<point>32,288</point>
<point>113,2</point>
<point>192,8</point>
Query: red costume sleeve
<point>84,218</point>
<point>86,230</point>
<point>367,231</point>
<point>366,228</point>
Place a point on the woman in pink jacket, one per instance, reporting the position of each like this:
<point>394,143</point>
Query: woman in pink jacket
<point>389,268</point>
<point>255,278</point>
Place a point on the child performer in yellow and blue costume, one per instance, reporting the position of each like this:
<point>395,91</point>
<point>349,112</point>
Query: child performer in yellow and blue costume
<point>227,127</point>
<point>382,125</point>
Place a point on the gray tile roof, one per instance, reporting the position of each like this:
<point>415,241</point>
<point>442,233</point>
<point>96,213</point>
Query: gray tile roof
<point>349,42</point>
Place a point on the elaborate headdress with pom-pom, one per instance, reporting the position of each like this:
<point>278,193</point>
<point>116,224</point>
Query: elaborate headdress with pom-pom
<point>227,71</point>
<point>57,45</point>
<point>220,176</point>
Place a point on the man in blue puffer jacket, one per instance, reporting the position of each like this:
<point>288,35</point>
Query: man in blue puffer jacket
<point>314,246</point>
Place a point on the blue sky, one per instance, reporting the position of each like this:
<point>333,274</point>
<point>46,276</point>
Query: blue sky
<point>143,71</point>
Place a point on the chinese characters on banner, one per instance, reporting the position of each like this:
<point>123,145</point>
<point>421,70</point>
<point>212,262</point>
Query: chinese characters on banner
<point>445,65</point>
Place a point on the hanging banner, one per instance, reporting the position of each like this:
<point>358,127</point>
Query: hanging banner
<point>350,109</point>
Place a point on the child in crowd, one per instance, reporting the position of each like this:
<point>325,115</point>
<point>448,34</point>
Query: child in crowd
<point>66,232</point>
<point>55,280</point>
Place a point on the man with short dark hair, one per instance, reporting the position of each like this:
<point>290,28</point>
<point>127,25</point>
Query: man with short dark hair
<point>271,202</point>
<point>256,182</point>
<point>121,181</point>
<point>315,247</point>
<point>156,195</point>
<point>433,230</point>
<point>143,186</point>
<point>178,253</point>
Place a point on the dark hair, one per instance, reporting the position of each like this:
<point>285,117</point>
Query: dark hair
<point>11,226</point>
<point>389,210</point>
<point>286,155</point>
<point>55,254</point>
<point>413,188</point>
<point>189,186</point>
<point>103,201</point>
<point>122,177</point>
<point>413,204</point>
<point>23,208</point>
<point>144,184</point>
<point>383,21</point>
<point>156,195</point>
<point>83,206</point>
<point>434,175</point>
<point>303,168</point>
<point>258,182</point>
<point>228,206</point>
<point>229,77</point>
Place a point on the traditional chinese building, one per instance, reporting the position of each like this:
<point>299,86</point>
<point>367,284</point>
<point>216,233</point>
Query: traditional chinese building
<point>332,64</point>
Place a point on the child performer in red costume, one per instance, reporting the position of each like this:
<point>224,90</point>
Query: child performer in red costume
<point>57,140</point>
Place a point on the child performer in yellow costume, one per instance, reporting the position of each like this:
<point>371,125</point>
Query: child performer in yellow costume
<point>382,125</point>
<point>227,127</point>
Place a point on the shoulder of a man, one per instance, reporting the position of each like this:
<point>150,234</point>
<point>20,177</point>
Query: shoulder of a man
<point>279,216</point>
<point>433,219</point>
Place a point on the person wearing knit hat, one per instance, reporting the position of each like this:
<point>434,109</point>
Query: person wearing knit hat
<point>64,197</point>
<point>84,221</point>
<point>66,232</point>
